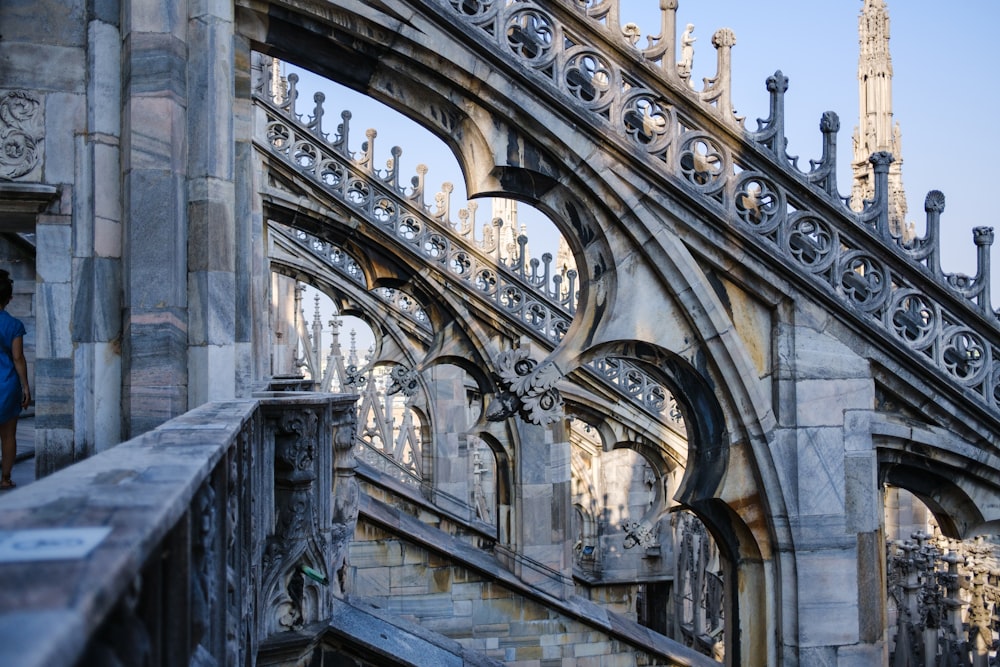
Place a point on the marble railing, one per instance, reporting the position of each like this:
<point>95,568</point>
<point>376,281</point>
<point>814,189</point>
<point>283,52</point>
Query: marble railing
<point>212,539</point>
<point>532,295</point>
<point>622,375</point>
<point>640,100</point>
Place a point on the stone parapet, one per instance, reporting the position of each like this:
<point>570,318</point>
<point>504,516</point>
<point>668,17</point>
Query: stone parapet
<point>198,542</point>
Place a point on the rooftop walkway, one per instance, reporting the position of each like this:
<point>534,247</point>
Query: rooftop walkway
<point>24,464</point>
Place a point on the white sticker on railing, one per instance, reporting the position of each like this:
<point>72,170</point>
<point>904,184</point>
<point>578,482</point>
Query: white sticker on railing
<point>49,543</point>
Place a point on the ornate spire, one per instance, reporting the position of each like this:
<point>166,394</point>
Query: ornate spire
<point>506,211</point>
<point>876,131</point>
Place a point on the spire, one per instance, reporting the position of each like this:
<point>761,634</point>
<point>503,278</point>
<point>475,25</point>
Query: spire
<point>506,211</point>
<point>352,356</point>
<point>317,337</point>
<point>876,131</point>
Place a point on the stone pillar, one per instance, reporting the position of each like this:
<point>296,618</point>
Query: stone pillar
<point>865,518</point>
<point>451,454</point>
<point>179,326</point>
<point>282,317</point>
<point>97,248</point>
<point>211,240</point>
<point>66,70</point>
<point>252,335</point>
<point>308,504</point>
<point>836,518</point>
<point>154,169</point>
<point>544,508</point>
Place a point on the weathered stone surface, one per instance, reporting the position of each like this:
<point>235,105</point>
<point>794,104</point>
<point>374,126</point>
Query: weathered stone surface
<point>811,358</point>
<point>53,337</point>
<point>96,305</point>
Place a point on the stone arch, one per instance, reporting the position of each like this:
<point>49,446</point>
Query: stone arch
<point>956,479</point>
<point>498,157</point>
<point>471,119</point>
<point>505,485</point>
<point>355,300</point>
<point>713,453</point>
<point>953,509</point>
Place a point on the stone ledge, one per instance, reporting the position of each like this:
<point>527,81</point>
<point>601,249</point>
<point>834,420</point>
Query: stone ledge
<point>21,203</point>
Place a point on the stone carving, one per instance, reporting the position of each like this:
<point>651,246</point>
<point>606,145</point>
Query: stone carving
<point>204,584</point>
<point>526,388</point>
<point>346,495</point>
<point>237,604</point>
<point>686,63</point>
<point>640,534</point>
<point>124,639</point>
<point>20,133</point>
<point>294,560</point>
<point>699,592</point>
<point>355,377</point>
<point>403,379</point>
<point>530,34</point>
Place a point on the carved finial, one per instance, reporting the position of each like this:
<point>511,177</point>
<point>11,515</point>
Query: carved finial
<point>316,121</point>
<point>829,122</point>
<point>368,150</point>
<point>724,38</point>
<point>631,33</point>
<point>934,202</point>
<point>771,132</point>
<point>393,165</point>
<point>292,95</point>
<point>824,172</point>
<point>878,211</point>
<point>718,90</point>
<point>417,182</point>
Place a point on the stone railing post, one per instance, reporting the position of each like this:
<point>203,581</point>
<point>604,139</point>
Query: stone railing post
<point>300,515</point>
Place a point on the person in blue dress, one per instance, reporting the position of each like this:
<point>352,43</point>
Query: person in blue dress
<point>14,392</point>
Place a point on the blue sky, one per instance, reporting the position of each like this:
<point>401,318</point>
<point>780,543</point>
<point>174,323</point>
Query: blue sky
<point>945,98</point>
<point>945,92</point>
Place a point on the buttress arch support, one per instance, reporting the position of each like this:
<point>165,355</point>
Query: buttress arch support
<point>457,105</point>
<point>720,485</point>
<point>955,478</point>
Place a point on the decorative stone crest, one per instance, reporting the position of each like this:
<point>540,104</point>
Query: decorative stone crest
<point>404,380</point>
<point>526,388</point>
<point>639,534</point>
<point>355,377</point>
<point>20,133</point>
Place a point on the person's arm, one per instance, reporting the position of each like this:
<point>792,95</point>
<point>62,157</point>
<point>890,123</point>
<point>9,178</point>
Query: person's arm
<point>17,354</point>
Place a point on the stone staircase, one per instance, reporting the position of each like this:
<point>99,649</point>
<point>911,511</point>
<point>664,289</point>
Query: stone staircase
<point>447,576</point>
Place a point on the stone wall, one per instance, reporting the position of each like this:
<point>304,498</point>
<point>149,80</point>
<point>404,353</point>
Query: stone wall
<point>460,592</point>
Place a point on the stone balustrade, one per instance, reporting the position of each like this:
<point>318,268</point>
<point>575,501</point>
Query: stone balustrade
<point>944,598</point>
<point>218,538</point>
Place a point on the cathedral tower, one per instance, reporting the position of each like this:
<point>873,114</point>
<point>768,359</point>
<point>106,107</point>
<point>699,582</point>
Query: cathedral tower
<point>876,131</point>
